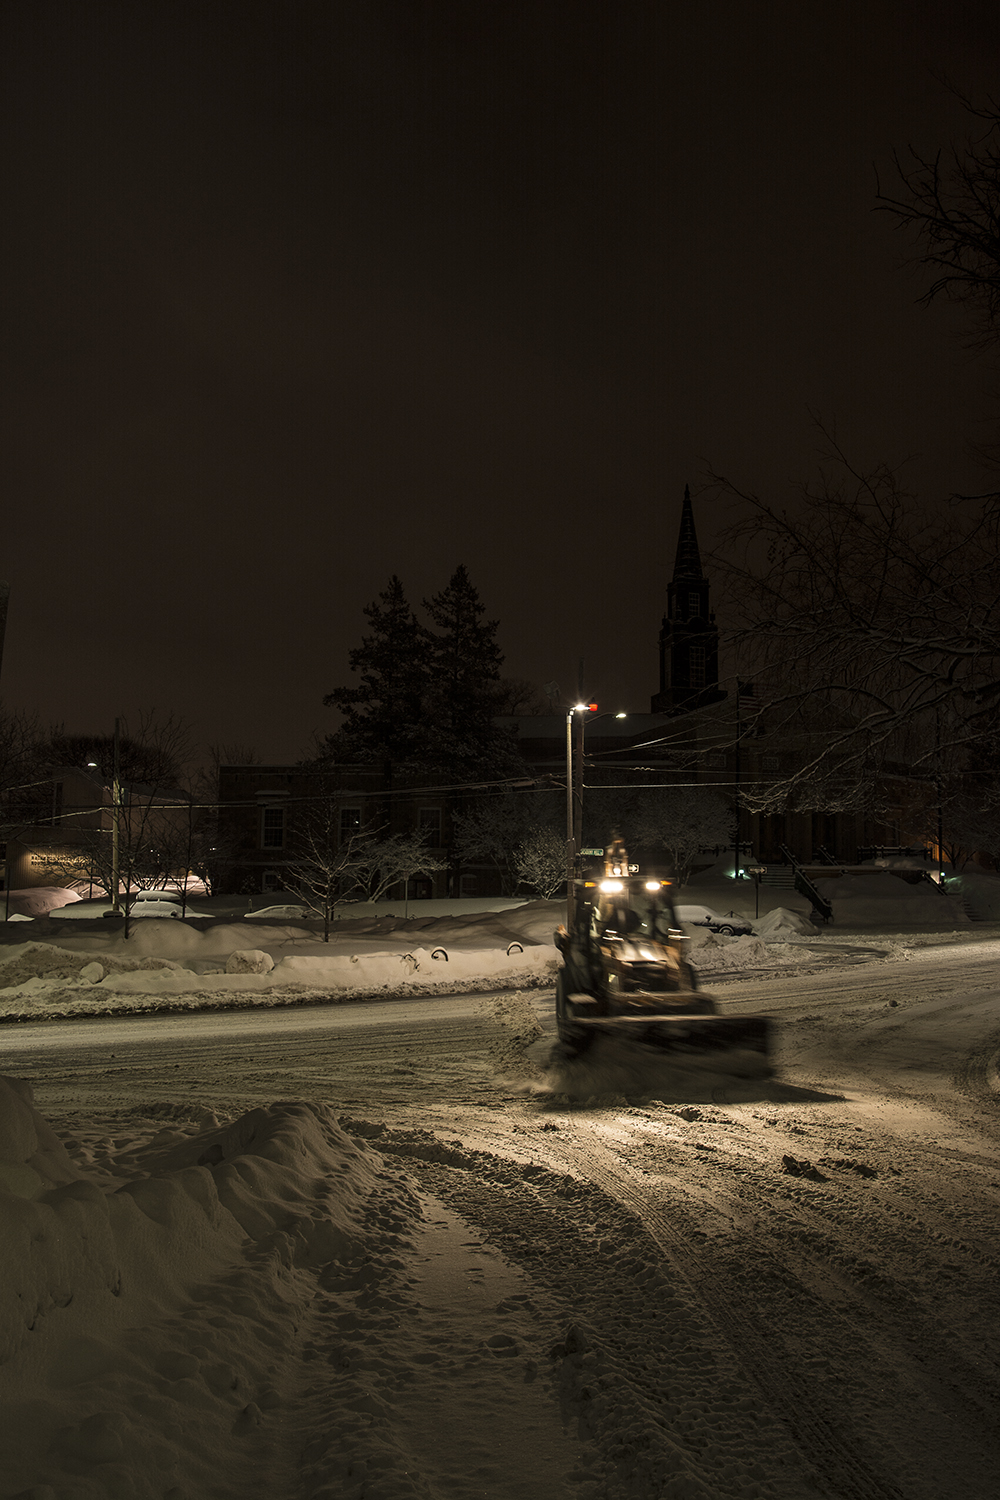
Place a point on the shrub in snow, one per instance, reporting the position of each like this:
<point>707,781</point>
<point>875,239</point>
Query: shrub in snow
<point>249,961</point>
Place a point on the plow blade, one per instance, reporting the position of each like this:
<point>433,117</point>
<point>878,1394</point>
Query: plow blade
<point>738,1045</point>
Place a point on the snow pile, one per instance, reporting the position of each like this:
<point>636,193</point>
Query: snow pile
<point>784,922</point>
<point>249,961</point>
<point>279,914</point>
<point>881,899</point>
<point>979,892</point>
<point>145,1326</point>
<point>39,900</point>
<point>222,967</point>
<point>725,955</point>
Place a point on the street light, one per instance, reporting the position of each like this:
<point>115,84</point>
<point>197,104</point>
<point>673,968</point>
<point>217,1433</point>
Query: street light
<point>574,788</point>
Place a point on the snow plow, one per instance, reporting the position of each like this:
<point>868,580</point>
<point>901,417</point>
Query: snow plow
<point>625,974</point>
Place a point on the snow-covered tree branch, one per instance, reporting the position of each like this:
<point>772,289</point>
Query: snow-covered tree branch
<point>871,626</point>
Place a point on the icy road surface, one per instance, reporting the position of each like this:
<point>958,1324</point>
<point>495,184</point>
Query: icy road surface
<point>611,1281</point>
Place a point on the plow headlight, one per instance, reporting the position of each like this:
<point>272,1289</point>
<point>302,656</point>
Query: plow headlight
<point>612,887</point>
<point>652,885</point>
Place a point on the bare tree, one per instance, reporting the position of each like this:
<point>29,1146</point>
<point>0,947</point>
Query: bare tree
<point>324,864</point>
<point>871,627</point>
<point>540,861</point>
<point>868,621</point>
<point>152,749</point>
<point>951,203</point>
<point>214,843</point>
<point>493,826</point>
<point>514,696</point>
<point>378,864</point>
<point>143,835</point>
<point>23,782</point>
<point>681,821</point>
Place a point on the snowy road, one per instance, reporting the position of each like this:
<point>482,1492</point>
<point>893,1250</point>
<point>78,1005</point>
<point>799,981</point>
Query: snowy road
<point>673,1288</point>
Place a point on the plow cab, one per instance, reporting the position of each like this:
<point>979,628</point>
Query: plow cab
<point>625,972</point>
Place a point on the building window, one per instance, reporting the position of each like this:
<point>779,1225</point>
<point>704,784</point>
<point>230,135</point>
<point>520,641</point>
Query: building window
<point>429,825</point>
<point>694,606</point>
<point>696,666</point>
<point>272,828</point>
<point>350,823</point>
<point>469,885</point>
<point>271,881</point>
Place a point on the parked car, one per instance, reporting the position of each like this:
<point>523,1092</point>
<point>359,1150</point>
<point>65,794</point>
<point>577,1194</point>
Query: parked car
<point>280,913</point>
<point>703,916</point>
<point>157,904</point>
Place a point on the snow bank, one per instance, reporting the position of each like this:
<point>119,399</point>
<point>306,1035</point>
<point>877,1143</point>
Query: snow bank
<point>881,899</point>
<point>178,1287</point>
<point>39,979</point>
<point>979,892</point>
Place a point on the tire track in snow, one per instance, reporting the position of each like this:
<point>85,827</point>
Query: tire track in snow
<point>643,1375</point>
<point>845,1472</point>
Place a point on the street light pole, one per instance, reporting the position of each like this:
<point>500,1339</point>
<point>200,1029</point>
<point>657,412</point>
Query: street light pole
<point>569,775</point>
<point>581,709</point>
<point>574,798</point>
<point>115,802</point>
<point>574,792</point>
<point>756,871</point>
<point>570,842</point>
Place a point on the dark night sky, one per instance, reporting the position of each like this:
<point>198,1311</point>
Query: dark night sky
<point>298,294</point>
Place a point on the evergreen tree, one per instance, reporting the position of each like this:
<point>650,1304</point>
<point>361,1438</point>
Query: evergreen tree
<point>383,714</point>
<point>464,661</point>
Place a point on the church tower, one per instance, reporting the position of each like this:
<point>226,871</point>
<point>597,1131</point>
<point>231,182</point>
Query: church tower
<point>689,637</point>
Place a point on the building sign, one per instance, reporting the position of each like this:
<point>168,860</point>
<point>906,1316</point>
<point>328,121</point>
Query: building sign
<point>52,861</point>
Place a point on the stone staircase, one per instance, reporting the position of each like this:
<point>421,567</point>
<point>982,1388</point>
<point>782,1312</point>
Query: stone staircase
<point>967,904</point>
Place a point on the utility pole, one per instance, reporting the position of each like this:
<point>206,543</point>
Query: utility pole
<point>570,845</point>
<point>581,710</point>
<point>4,598</point>
<point>4,601</point>
<point>115,836</point>
<point>736,790</point>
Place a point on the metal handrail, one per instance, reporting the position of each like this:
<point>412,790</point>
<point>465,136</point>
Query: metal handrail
<point>805,886</point>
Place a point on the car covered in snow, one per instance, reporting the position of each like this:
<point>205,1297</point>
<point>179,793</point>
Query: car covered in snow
<point>157,903</point>
<point>288,913</point>
<point>703,916</point>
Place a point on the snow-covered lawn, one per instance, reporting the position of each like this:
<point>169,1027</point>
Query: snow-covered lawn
<point>261,1255</point>
<point>80,969</point>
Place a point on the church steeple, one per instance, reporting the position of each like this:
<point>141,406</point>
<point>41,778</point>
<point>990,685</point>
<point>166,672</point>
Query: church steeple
<point>687,563</point>
<point>689,637</point>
